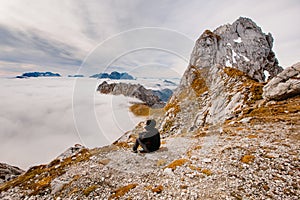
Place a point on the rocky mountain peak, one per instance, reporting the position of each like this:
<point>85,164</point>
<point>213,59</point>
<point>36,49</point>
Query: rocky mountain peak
<point>241,45</point>
<point>226,73</point>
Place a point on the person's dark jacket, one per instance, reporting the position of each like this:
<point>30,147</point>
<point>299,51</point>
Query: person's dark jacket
<point>151,137</point>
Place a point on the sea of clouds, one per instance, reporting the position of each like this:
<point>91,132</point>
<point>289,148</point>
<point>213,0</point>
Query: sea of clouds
<point>37,119</point>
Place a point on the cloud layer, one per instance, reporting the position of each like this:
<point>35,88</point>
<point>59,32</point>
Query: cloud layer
<point>37,119</point>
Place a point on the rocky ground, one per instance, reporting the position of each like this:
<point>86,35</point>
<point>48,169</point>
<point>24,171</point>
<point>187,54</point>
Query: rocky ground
<point>255,156</point>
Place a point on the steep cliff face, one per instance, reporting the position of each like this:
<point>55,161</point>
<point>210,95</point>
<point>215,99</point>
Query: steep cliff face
<point>226,73</point>
<point>241,45</point>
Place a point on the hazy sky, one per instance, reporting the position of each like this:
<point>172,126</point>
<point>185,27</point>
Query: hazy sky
<point>57,35</point>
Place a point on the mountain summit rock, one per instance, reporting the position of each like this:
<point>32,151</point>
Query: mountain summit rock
<point>225,74</point>
<point>241,45</point>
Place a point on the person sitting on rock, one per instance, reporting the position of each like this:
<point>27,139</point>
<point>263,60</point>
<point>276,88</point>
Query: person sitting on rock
<point>149,140</point>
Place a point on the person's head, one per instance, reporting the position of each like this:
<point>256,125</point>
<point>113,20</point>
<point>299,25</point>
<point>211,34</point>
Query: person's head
<point>150,123</point>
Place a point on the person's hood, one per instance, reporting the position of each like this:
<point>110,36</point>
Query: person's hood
<point>151,125</point>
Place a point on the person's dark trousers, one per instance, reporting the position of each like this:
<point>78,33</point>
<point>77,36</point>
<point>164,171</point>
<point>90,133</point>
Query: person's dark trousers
<point>139,142</point>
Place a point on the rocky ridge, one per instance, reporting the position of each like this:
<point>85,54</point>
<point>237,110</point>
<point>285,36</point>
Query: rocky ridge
<point>226,73</point>
<point>222,141</point>
<point>132,90</point>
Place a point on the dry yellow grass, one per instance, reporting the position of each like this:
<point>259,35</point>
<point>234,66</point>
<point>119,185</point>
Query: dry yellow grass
<point>177,163</point>
<point>251,136</point>
<point>161,162</point>
<point>38,178</point>
<point>122,191</point>
<point>140,109</point>
<point>122,144</point>
<point>206,172</point>
<point>192,167</point>
<point>247,159</point>
<point>198,84</point>
<point>287,110</point>
<point>157,189</point>
<point>90,189</point>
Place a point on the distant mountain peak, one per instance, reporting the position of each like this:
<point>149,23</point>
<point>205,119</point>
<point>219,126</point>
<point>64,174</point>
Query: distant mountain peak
<point>113,75</point>
<point>38,74</point>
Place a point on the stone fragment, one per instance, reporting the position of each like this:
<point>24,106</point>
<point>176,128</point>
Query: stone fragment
<point>284,85</point>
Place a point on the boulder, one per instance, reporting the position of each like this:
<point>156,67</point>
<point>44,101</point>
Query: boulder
<point>284,85</point>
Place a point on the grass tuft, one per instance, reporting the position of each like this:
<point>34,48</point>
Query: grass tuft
<point>157,189</point>
<point>176,163</point>
<point>206,172</point>
<point>247,159</point>
<point>198,83</point>
<point>90,189</point>
<point>140,109</point>
<point>122,191</point>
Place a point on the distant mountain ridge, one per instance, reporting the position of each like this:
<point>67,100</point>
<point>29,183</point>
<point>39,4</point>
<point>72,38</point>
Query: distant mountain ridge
<point>113,75</point>
<point>76,76</point>
<point>38,74</point>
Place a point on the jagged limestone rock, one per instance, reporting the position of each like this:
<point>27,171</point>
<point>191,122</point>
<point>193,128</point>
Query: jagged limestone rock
<point>131,90</point>
<point>8,172</point>
<point>241,45</point>
<point>225,74</point>
<point>284,85</point>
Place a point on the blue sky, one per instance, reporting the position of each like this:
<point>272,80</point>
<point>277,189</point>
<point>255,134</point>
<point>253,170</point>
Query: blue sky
<point>58,35</point>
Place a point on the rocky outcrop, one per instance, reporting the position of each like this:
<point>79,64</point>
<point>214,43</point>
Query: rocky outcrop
<point>131,90</point>
<point>71,151</point>
<point>284,85</point>
<point>225,75</point>
<point>241,45</point>
<point>8,172</point>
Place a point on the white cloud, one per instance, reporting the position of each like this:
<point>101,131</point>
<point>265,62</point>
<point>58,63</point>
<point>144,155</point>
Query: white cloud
<point>37,119</point>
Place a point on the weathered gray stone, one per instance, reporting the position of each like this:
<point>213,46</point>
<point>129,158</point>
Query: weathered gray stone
<point>8,172</point>
<point>71,151</point>
<point>223,76</point>
<point>131,90</point>
<point>284,85</point>
<point>241,45</point>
